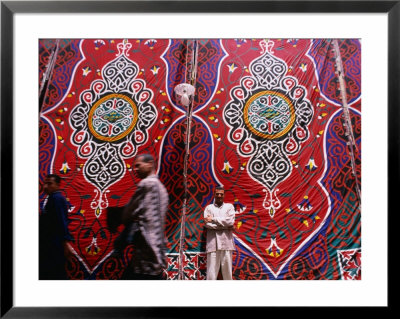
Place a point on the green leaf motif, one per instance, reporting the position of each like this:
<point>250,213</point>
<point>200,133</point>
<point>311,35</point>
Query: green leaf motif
<point>87,233</point>
<point>264,234</point>
<point>103,234</point>
<point>249,239</point>
<point>286,195</point>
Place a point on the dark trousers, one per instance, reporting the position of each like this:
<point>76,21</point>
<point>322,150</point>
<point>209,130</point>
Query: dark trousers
<point>52,262</point>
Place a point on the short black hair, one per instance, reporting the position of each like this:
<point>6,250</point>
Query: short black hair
<point>219,188</point>
<point>57,178</point>
<point>147,158</point>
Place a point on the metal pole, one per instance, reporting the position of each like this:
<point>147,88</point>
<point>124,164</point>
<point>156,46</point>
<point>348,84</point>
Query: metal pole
<point>191,72</point>
<point>346,114</point>
<point>47,75</point>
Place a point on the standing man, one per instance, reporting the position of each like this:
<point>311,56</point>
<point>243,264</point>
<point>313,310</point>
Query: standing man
<point>219,218</point>
<point>146,211</point>
<point>54,236</point>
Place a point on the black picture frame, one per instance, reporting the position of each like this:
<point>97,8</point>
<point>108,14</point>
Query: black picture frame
<point>9,8</point>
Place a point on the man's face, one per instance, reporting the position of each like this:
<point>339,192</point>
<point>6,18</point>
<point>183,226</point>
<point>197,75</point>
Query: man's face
<point>50,185</point>
<point>141,168</point>
<point>219,196</point>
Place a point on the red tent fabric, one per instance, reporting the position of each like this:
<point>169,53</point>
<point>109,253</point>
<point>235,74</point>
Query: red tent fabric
<point>277,122</point>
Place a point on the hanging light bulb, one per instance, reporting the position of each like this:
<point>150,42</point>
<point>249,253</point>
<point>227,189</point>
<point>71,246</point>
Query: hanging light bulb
<point>184,91</point>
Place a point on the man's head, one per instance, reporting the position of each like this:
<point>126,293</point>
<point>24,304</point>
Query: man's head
<point>219,195</point>
<point>51,183</point>
<point>144,165</point>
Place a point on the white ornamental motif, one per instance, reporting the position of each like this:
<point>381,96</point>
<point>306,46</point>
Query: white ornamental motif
<point>112,121</point>
<point>268,116</point>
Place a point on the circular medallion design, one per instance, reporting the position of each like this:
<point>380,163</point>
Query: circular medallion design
<point>269,114</point>
<point>112,117</point>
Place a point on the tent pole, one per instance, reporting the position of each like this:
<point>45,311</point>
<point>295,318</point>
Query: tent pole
<point>346,115</point>
<point>190,76</point>
<point>47,75</point>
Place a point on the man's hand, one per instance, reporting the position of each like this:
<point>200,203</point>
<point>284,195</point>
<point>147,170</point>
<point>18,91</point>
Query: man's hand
<point>208,219</point>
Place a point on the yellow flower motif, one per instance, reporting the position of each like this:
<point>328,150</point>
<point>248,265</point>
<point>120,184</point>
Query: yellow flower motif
<point>227,168</point>
<point>93,249</point>
<point>151,43</point>
<point>86,71</point>
<point>232,67</point>
<point>274,250</point>
<point>311,165</point>
<point>166,109</point>
<point>65,168</point>
<point>155,69</point>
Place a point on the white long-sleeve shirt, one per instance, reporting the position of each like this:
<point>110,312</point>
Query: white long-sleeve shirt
<point>220,229</point>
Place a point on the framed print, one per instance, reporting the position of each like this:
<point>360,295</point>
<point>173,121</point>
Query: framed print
<point>269,99</point>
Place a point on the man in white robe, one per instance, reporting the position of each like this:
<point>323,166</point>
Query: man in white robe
<point>219,219</point>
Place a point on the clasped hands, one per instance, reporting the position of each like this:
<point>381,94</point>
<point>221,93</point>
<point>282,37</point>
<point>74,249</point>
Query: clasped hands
<point>208,219</point>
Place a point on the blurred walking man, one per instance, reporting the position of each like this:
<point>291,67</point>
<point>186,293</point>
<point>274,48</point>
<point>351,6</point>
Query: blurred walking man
<point>146,211</point>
